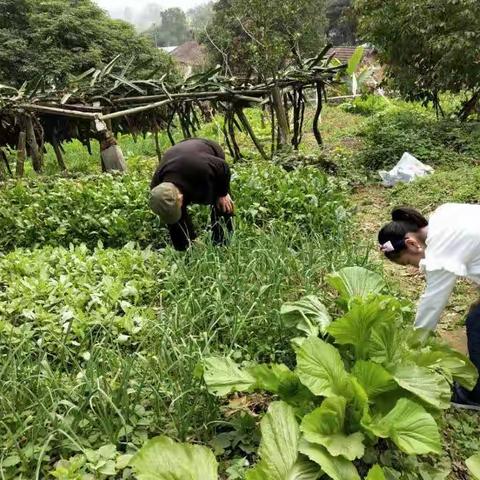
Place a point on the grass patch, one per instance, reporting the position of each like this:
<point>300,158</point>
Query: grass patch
<point>426,194</point>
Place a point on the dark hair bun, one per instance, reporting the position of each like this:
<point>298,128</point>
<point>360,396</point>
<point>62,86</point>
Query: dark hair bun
<point>409,215</point>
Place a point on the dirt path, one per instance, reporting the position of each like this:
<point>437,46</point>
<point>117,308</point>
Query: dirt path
<point>373,209</point>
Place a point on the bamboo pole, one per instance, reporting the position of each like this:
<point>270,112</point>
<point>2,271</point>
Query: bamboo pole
<point>131,111</point>
<point>59,111</point>
<point>21,154</point>
<point>58,154</point>
<point>33,146</point>
<point>246,124</point>
<point>282,120</point>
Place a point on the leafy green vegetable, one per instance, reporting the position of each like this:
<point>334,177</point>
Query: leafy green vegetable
<point>320,368</point>
<point>356,326</point>
<point>354,282</point>
<point>425,384</point>
<point>325,426</point>
<point>410,427</point>
<point>308,314</point>
<point>278,450</point>
<point>373,378</point>
<point>473,465</point>
<point>337,468</point>
<point>223,376</point>
<point>450,362</point>
<point>376,473</point>
<point>163,459</point>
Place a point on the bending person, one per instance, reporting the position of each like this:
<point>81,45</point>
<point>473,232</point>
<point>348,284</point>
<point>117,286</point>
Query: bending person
<point>193,171</point>
<point>446,247</point>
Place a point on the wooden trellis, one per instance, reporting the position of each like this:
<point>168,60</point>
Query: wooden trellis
<point>101,104</point>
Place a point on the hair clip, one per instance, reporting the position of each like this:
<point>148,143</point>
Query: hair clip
<point>387,247</point>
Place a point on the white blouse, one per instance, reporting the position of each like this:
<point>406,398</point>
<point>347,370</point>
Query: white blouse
<point>453,250</point>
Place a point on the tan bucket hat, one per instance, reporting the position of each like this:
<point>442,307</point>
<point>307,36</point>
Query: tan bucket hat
<point>165,201</point>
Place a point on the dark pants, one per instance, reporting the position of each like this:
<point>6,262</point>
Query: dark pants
<point>183,233</point>
<point>473,337</point>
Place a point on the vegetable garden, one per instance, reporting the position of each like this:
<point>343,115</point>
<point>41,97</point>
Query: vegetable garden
<point>287,355</point>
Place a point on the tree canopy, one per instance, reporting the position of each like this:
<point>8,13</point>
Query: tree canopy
<point>430,46</point>
<point>342,24</point>
<point>172,30</point>
<point>264,35</point>
<point>57,39</point>
<point>200,16</point>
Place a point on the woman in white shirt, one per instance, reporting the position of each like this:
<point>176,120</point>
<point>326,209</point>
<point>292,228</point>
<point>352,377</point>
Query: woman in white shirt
<point>444,248</point>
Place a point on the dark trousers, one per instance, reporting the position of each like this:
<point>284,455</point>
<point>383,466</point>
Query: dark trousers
<point>183,233</point>
<point>473,337</point>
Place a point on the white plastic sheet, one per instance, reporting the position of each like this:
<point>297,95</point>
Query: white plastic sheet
<point>405,171</point>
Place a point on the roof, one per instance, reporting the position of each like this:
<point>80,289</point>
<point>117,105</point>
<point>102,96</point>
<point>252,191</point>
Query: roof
<point>190,53</point>
<point>344,53</point>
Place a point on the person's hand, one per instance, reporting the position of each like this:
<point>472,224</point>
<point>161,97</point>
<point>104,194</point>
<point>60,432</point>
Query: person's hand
<point>225,204</point>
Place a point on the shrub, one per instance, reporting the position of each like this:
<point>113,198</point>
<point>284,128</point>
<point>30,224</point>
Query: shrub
<point>410,128</point>
<point>114,209</point>
<point>367,105</point>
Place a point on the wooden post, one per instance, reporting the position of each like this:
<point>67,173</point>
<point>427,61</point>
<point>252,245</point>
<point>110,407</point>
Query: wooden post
<point>110,153</point>
<point>282,120</point>
<point>21,154</point>
<point>244,121</point>
<point>3,166</point>
<point>318,112</point>
<point>58,154</point>
<point>33,146</point>
<point>157,146</point>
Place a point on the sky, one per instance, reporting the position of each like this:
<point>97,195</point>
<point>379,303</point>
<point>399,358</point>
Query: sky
<point>116,7</point>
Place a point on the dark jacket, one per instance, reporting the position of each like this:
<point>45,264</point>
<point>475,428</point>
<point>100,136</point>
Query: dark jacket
<point>198,168</point>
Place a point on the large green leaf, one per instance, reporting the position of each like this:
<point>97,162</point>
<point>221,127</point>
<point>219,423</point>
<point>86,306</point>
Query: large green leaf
<point>410,427</point>
<point>473,465</point>
<point>376,473</point>
<point>320,368</point>
<point>269,377</point>
<point>325,426</point>
<point>308,315</point>
<point>278,451</point>
<point>337,468</point>
<point>163,459</point>
<point>374,379</point>
<point>355,327</point>
<point>353,282</point>
<point>279,379</point>
<point>223,376</point>
<point>452,363</point>
<point>355,60</point>
<point>431,387</point>
<point>386,344</point>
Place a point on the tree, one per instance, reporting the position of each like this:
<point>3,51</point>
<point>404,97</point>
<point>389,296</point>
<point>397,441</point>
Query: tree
<point>264,35</point>
<point>173,29</point>
<point>429,46</point>
<point>58,39</point>
<point>342,23</point>
<point>199,17</point>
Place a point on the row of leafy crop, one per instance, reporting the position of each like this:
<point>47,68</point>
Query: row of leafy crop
<point>114,209</point>
<point>396,127</point>
<point>364,385</point>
